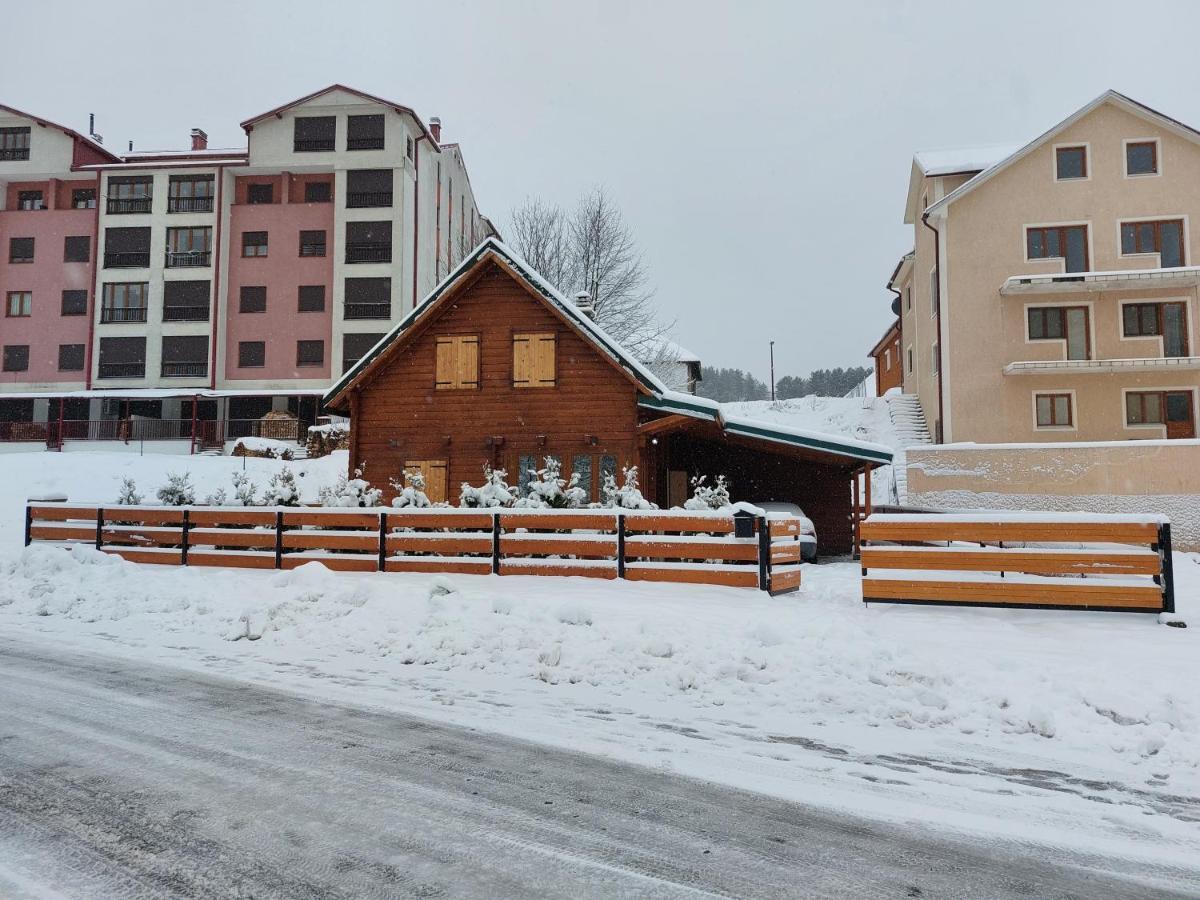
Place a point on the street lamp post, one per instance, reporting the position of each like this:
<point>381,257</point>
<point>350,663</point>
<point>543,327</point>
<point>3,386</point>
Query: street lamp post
<point>772,371</point>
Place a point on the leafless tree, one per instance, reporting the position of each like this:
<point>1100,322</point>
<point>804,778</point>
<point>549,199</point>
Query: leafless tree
<point>538,231</point>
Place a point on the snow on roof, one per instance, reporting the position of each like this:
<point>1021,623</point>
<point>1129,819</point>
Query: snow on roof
<point>173,154</point>
<point>667,349</point>
<point>951,161</point>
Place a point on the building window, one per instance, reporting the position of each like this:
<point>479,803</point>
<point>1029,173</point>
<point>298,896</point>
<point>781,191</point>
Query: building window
<point>190,194</point>
<point>312,298</point>
<point>70,357</point>
<point>581,465</point>
<point>364,132</point>
<point>409,151</point>
<point>260,192</point>
<point>368,188</point>
<point>254,243</point>
<point>312,243</point>
<point>252,299</point>
<point>310,353</point>
<point>14,143</point>
<point>369,242</point>
<point>19,305</point>
<point>534,360</point>
<point>318,192</point>
<point>20,250</point>
<point>457,362</point>
<point>935,359</point>
<point>934,298</point>
<point>368,298</point>
<point>1141,158</point>
<point>314,134</point>
<point>1174,409</point>
<point>185,301</point>
<point>1164,238</point>
<point>74,303</point>
<point>77,249</point>
<point>16,357</point>
<point>124,302</point>
<point>252,354</point>
<point>908,298</point>
<point>132,194</point>
<point>185,356</point>
<point>1054,410</point>
<point>1165,320</point>
<point>83,198</point>
<point>1070,162</point>
<point>910,360</point>
<point>122,357</point>
<point>355,347</point>
<point>1066,242</point>
<point>1061,323</point>
<point>30,200</point>
<point>1144,408</point>
<point>189,248</point>
<point>126,248</point>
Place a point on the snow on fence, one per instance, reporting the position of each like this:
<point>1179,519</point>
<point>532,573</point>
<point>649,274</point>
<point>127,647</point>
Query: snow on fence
<point>1081,561</point>
<point>742,549</point>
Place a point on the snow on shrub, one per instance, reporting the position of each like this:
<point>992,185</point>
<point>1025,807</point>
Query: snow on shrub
<point>411,492</point>
<point>178,491</point>
<point>706,496</point>
<point>492,493</point>
<point>628,495</point>
<point>281,490</point>
<point>129,495</point>
<point>352,492</point>
<point>219,497</point>
<point>574,614</point>
<point>244,490</point>
<point>549,490</point>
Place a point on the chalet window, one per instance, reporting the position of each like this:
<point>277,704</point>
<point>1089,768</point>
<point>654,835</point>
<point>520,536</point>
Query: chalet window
<point>189,248</point>
<point>126,248</point>
<point>1165,320</point>
<point>70,357</point>
<point>312,243</point>
<point>364,132</point>
<point>312,298</point>
<point>368,187</point>
<point>74,303</point>
<point>19,305</point>
<point>16,357</point>
<point>190,194</point>
<point>314,134</point>
<point>355,347</point>
<point>533,359</point>
<point>185,356</point>
<point>368,298</point>
<point>14,143</point>
<point>125,302</point>
<point>434,473</point>
<point>318,192</point>
<point>1053,410</point>
<point>608,468</point>
<point>185,301</point>
<point>457,362</point>
<point>581,465</point>
<point>122,357</point>
<point>527,466</point>
<point>83,198</point>
<point>1059,323</point>
<point>252,354</point>
<point>369,242</point>
<point>260,193</point>
<point>30,200</point>
<point>77,249</point>
<point>310,353</point>
<point>1164,238</point>
<point>252,299</point>
<point>1066,242</point>
<point>1141,158</point>
<point>254,243</point>
<point>130,194</point>
<point>1070,162</point>
<point>20,250</point>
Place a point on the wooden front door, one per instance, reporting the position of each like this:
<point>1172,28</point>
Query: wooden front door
<point>677,487</point>
<point>1181,423</point>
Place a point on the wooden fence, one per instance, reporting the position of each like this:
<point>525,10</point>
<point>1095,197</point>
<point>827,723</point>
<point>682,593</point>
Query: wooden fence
<point>738,550</point>
<point>1113,563</point>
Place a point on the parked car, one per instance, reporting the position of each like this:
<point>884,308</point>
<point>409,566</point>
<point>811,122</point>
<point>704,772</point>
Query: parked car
<point>808,533</point>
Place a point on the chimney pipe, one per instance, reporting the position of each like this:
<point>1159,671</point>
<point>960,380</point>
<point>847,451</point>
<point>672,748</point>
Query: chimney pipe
<point>91,123</point>
<point>131,146</point>
<point>435,128</point>
<point>199,139</point>
<point>583,302</point>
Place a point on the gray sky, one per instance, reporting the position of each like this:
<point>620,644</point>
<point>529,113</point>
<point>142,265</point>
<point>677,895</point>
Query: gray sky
<point>760,151</point>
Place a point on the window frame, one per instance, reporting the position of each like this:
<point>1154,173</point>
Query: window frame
<point>312,245</point>
<point>21,260</point>
<point>1156,223</point>
<point>12,348</point>
<point>1083,146</point>
<point>1160,306</point>
<point>1053,424</point>
<point>252,299</point>
<point>300,307</point>
<point>12,148</point>
<point>1129,143</point>
<point>24,304</point>
<point>243,345</point>
<point>254,188</point>
<point>83,311</point>
<point>328,185</point>
<point>31,200</point>
<point>297,140</point>
<point>70,240</point>
<point>247,245</point>
<point>82,351</point>
<point>78,194</point>
<point>300,362</point>
<point>1061,228</point>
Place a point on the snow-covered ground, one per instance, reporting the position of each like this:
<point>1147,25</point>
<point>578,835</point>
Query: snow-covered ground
<point>1073,729</point>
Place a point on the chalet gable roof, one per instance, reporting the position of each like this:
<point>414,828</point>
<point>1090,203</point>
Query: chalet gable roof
<point>249,124</point>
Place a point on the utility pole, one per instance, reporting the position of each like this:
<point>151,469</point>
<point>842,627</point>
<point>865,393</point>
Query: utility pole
<point>772,371</point>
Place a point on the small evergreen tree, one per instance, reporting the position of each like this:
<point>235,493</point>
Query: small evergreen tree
<point>244,490</point>
<point>178,491</point>
<point>705,496</point>
<point>281,490</point>
<point>549,490</point>
<point>492,493</point>
<point>129,495</point>
<point>219,497</point>
<point>350,492</point>
<point>627,496</point>
<point>410,493</point>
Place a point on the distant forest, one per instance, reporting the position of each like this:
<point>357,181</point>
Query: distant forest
<point>736,384</point>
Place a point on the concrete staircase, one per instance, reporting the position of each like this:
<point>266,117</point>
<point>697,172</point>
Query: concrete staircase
<point>911,431</point>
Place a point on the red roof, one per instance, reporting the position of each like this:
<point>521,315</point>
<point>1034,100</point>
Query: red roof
<point>371,98</point>
<point>64,129</point>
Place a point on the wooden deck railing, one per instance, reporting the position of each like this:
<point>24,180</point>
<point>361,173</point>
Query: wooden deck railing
<point>738,550</point>
<point>1113,563</point>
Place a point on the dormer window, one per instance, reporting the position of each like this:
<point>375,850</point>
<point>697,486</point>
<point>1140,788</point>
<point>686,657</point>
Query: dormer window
<point>1141,158</point>
<point>1070,163</point>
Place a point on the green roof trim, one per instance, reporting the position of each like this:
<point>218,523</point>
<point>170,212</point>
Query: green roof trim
<point>670,404</point>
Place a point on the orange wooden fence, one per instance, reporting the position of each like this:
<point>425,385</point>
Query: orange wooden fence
<point>738,550</point>
<point>1117,563</point>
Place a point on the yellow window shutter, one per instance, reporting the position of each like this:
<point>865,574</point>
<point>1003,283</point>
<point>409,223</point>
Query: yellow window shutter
<point>446,358</point>
<point>457,361</point>
<point>533,359</point>
<point>468,361</point>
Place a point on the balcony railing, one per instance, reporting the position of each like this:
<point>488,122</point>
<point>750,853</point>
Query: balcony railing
<point>188,259</point>
<point>110,314</point>
<point>14,153</point>
<point>184,369</point>
<point>118,207</point>
<point>194,313</point>
<point>368,252</point>
<point>313,145</point>
<point>368,311</point>
<point>189,204</point>
<point>365,199</point>
<point>364,143</point>
<point>126,259</point>
<point>123,370</point>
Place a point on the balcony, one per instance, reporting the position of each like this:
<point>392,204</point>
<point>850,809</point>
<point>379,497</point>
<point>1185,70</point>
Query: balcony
<point>123,370</point>
<point>313,145</point>
<point>115,314</point>
<point>13,154</point>
<point>368,199</point>
<point>368,311</point>
<point>127,259</point>
<point>185,313</point>
<point>188,259</point>
<point>121,207</point>
<point>368,252</point>
<point>184,369</point>
<point>189,204</point>
<point>364,143</point>
<point>1103,366</point>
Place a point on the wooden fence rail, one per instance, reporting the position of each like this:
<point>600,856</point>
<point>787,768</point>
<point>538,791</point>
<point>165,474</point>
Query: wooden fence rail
<point>1112,563</point>
<point>740,550</point>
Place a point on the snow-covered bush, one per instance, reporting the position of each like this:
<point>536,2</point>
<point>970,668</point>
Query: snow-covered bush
<point>411,492</point>
<point>129,495</point>
<point>627,496</point>
<point>219,497</point>
<point>492,493</point>
<point>549,490</point>
<point>281,490</point>
<point>708,496</point>
<point>178,491</point>
<point>244,490</point>
<point>355,491</point>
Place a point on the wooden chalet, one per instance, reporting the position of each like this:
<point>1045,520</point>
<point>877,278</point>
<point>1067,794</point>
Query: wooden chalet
<point>497,368</point>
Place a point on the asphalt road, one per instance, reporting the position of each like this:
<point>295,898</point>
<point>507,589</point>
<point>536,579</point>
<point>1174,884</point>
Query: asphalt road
<point>120,779</point>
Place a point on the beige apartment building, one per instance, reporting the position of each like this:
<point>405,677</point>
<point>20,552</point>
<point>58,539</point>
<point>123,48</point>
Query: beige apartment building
<point>1051,293</point>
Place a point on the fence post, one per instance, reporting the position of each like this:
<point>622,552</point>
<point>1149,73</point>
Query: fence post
<point>28,524</point>
<point>495,542</point>
<point>620,545</point>
<point>1168,567</point>
<point>99,527</point>
<point>382,539</point>
<point>184,549</point>
<point>279,539</point>
<point>764,554</point>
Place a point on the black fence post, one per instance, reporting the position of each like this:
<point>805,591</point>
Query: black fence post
<point>184,548</point>
<point>382,540</point>
<point>1168,567</point>
<point>28,524</point>
<point>99,527</point>
<point>495,542</point>
<point>620,545</point>
<point>764,554</point>
<point>279,539</point>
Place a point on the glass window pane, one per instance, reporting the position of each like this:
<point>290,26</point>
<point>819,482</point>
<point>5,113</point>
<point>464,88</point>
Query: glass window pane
<point>1174,330</point>
<point>1071,162</point>
<point>1133,409</point>
<point>1043,410</point>
<point>1128,239</point>
<point>1171,245</point>
<point>1037,324</point>
<point>582,466</point>
<point>1077,337</point>
<point>1145,237</point>
<point>1139,159</point>
<point>528,465</point>
<point>1179,407</point>
<point>1076,249</point>
<point>1052,249</point>
<point>1129,317</point>
<point>1054,323</point>
<point>1149,317</point>
<point>1062,412</point>
<point>1037,247</point>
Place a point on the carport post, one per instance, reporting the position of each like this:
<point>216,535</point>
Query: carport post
<point>764,554</point>
<point>1168,567</point>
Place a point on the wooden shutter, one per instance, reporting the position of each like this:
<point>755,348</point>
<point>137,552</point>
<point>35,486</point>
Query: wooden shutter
<point>457,361</point>
<point>533,360</point>
<point>434,471</point>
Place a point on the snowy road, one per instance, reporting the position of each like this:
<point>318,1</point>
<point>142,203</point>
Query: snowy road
<point>130,780</point>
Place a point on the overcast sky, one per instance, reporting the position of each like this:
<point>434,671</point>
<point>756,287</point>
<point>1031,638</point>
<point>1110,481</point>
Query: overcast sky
<point>759,151</point>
